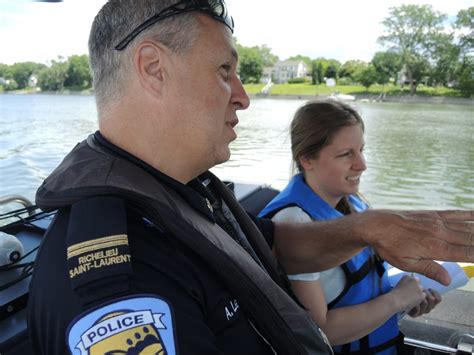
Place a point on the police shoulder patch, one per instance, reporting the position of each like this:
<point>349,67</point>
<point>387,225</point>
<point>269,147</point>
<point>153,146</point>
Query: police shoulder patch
<point>137,324</point>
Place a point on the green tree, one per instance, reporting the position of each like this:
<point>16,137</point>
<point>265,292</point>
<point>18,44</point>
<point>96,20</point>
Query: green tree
<point>445,61</point>
<point>53,78</point>
<point>387,65</point>
<point>465,25</point>
<point>466,77</point>
<point>317,72</point>
<point>250,64</point>
<point>78,73</point>
<point>421,69</point>
<point>366,76</point>
<point>5,71</point>
<point>412,31</point>
<point>332,68</point>
<point>465,70</point>
<point>269,59</point>
<point>348,69</point>
<point>322,68</point>
<point>21,72</point>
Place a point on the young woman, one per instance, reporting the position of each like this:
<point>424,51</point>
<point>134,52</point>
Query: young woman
<point>353,304</point>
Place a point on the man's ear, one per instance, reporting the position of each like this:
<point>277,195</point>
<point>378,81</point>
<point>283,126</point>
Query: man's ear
<point>148,61</point>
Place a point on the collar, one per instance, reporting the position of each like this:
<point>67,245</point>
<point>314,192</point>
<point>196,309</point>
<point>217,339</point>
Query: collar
<point>193,192</point>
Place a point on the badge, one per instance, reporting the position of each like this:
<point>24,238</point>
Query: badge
<point>139,324</point>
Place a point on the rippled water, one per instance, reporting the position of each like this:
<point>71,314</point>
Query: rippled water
<point>36,131</point>
<point>419,156</point>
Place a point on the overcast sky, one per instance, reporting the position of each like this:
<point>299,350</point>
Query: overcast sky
<point>339,29</point>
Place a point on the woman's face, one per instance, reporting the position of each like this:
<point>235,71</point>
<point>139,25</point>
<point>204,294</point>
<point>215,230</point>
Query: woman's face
<point>337,170</point>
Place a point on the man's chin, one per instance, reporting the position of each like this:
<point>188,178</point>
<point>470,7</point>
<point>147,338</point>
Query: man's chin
<point>222,157</point>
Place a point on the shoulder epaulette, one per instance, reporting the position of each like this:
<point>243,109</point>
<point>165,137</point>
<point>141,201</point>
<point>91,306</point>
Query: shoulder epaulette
<point>97,242</point>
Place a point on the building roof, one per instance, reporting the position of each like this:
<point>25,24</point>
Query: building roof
<point>289,62</point>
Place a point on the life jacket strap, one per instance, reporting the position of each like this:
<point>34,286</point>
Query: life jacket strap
<point>365,348</point>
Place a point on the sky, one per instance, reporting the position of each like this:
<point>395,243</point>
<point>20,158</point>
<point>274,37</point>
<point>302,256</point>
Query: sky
<point>338,29</point>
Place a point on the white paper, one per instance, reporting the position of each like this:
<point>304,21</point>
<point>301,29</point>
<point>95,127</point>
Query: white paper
<point>458,278</point>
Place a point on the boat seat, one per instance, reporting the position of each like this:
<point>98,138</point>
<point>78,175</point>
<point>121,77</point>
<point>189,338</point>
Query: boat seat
<point>257,200</point>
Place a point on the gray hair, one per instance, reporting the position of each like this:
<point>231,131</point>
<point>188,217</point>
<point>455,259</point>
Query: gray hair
<point>117,18</point>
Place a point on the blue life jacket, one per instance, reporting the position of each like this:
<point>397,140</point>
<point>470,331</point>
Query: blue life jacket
<point>365,274</point>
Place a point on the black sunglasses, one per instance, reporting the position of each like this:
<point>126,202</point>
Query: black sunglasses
<point>214,8</point>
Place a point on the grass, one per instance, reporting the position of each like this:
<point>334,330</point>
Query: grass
<point>74,89</point>
<point>253,88</point>
<point>308,89</point>
<point>391,90</point>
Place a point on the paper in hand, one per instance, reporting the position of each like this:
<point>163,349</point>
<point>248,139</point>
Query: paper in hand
<point>458,278</point>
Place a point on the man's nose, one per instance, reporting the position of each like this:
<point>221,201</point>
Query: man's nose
<point>239,97</point>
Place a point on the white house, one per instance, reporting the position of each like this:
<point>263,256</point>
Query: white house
<point>32,81</point>
<point>267,75</point>
<point>402,78</point>
<point>289,69</point>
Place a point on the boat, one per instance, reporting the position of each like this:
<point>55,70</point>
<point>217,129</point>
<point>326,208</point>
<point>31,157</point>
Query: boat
<point>342,97</point>
<point>449,329</point>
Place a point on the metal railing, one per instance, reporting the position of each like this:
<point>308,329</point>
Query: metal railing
<point>462,347</point>
<point>17,199</point>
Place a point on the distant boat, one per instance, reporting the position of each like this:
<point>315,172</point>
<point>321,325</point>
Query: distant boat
<point>342,97</point>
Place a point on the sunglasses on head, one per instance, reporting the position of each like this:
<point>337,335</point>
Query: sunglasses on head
<point>214,8</point>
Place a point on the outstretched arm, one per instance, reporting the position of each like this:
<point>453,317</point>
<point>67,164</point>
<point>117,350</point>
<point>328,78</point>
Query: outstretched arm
<point>409,240</point>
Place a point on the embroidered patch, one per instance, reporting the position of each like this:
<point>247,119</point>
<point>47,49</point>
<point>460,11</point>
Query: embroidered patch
<point>92,258</point>
<point>231,309</point>
<point>141,324</point>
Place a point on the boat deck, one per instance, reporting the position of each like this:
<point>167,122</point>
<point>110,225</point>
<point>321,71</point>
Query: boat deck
<point>451,321</point>
<point>448,325</point>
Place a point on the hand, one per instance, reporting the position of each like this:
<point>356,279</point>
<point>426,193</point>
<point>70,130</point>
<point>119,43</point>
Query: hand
<point>412,240</point>
<point>431,301</point>
<point>408,294</point>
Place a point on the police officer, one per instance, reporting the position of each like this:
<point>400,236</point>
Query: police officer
<point>149,252</point>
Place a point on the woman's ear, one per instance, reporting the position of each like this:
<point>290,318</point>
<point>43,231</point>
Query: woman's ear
<point>306,163</point>
<point>149,65</point>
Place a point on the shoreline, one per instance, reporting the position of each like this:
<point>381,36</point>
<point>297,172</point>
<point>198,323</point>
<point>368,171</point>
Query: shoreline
<point>406,99</point>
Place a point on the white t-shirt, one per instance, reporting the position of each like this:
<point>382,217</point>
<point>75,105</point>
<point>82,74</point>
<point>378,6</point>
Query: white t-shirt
<point>332,280</point>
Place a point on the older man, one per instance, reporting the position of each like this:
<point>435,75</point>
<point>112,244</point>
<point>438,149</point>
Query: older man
<point>149,252</point>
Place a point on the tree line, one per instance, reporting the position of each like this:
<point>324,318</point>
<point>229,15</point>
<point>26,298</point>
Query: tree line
<point>418,42</point>
<point>60,73</point>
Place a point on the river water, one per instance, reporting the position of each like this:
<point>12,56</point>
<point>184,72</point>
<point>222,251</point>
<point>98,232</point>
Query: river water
<point>419,156</point>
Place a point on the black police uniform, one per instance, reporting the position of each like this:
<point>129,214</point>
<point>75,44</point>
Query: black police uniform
<point>206,318</point>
